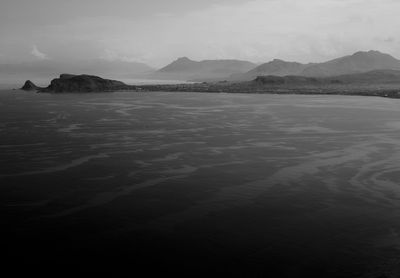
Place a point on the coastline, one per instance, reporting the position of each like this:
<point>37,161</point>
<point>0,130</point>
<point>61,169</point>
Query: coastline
<point>381,90</point>
<point>69,83</point>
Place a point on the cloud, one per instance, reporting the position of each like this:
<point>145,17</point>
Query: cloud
<point>40,55</point>
<point>259,30</point>
<point>256,30</point>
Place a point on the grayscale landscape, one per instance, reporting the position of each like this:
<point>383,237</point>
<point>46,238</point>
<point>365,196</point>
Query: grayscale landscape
<point>200,139</point>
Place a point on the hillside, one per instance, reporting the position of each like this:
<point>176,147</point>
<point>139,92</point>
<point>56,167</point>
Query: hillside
<point>359,62</point>
<point>374,77</point>
<point>276,67</point>
<point>370,77</point>
<point>384,83</point>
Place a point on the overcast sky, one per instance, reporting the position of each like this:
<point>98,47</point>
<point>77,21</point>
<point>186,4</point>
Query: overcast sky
<point>158,31</point>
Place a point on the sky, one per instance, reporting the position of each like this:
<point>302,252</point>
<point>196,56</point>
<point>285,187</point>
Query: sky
<point>159,31</point>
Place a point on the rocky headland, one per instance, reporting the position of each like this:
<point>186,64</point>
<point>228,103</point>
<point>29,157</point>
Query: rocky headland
<point>30,86</point>
<point>84,83</point>
<point>384,83</point>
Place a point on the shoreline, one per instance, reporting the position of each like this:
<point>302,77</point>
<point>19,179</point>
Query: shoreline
<point>385,93</point>
<point>68,83</point>
<point>381,90</point>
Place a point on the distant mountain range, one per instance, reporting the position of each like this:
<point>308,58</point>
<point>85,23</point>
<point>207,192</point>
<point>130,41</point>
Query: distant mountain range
<point>207,70</point>
<point>357,63</point>
<point>185,69</point>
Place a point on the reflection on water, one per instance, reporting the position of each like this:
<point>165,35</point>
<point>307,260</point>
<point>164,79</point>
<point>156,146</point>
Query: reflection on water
<point>254,183</point>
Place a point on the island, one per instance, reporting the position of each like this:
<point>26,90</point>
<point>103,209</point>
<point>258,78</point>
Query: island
<point>69,83</point>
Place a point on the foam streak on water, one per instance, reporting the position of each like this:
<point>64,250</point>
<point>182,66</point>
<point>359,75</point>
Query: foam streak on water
<point>303,184</point>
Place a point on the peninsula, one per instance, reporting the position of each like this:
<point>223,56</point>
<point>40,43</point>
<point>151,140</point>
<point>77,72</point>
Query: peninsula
<point>69,83</point>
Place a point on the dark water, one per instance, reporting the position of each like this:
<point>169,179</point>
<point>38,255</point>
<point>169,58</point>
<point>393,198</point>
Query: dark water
<point>202,184</point>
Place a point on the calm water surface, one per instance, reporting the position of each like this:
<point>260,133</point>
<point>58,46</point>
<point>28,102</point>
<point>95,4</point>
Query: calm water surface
<point>247,185</point>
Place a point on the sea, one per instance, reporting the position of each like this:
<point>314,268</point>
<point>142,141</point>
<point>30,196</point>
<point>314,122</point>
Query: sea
<point>201,184</point>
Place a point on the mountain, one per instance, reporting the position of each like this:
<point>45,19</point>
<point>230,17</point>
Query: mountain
<point>276,67</point>
<point>207,70</point>
<point>359,62</point>
<point>187,69</point>
<point>181,65</point>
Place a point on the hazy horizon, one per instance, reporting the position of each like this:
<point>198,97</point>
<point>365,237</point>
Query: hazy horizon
<point>157,32</point>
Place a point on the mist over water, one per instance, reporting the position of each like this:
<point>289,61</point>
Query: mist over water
<point>215,183</point>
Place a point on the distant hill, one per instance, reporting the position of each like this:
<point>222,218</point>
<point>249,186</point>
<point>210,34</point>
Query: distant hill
<point>276,67</point>
<point>374,77</point>
<point>187,69</point>
<point>359,62</point>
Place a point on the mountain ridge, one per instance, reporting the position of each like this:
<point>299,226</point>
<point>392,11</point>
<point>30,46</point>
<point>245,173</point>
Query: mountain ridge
<point>361,61</point>
<point>184,68</point>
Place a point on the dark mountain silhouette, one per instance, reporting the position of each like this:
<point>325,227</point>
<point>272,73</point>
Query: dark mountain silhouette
<point>359,62</point>
<point>83,83</point>
<point>186,69</point>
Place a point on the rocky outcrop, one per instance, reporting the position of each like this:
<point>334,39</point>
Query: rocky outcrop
<point>30,86</point>
<point>84,83</point>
